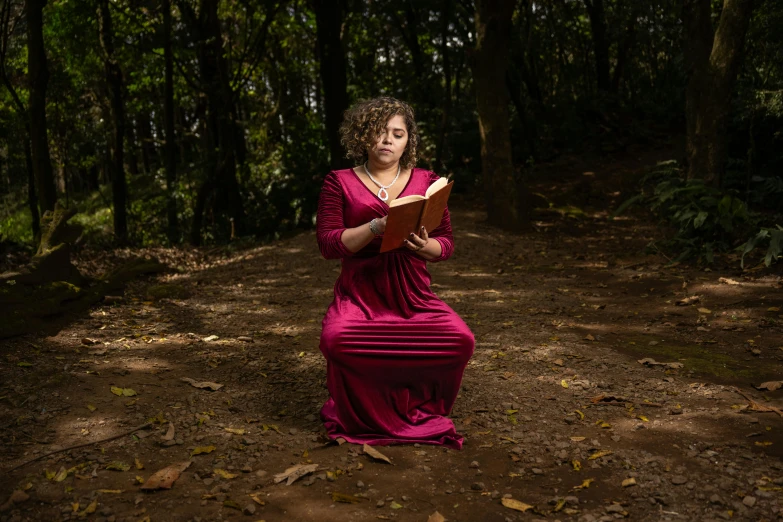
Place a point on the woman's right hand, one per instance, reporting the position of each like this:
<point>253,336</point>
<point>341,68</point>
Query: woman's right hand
<point>381,223</point>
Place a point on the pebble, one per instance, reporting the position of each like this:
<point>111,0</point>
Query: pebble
<point>477,486</point>
<point>380,504</point>
<point>749,501</point>
<point>359,484</point>
<point>537,471</point>
<point>474,464</point>
<point>715,499</point>
<point>679,480</point>
<point>614,508</point>
<point>250,509</point>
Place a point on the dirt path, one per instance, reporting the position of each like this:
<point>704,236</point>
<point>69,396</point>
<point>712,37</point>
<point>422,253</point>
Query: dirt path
<point>557,411</point>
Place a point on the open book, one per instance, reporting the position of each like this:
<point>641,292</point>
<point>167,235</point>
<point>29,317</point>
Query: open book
<point>409,213</point>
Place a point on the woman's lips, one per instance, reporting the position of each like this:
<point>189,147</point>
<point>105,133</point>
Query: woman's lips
<point>385,150</point>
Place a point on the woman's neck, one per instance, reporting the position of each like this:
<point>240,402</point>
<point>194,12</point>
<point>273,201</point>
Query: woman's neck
<point>383,173</point>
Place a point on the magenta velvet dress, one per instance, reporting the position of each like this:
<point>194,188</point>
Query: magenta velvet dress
<point>395,353</point>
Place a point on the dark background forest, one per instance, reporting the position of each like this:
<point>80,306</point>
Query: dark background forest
<point>183,121</point>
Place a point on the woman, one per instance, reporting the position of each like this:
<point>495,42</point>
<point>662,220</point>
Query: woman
<point>395,352</point>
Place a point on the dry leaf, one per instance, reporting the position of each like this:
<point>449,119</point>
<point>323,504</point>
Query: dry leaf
<point>599,454</point>
<point>294,473</point>
<point>652,362</point>
<point>576,465</point>
<point>117,465</point>
<point>235,431</point>
<point>89,510</point>
<point>564,383</point>
<point>436,517</point>
<point>629,482</point>
<point>587,337</point>
<point>61,475</point>
<point>123,392</point>
<point>727,281</point>
<point>225,474</point>
<point>164,478</point>
<point>257,498</point>
<point>114,491</point>
<point>91,407</point>
<point>138,463</point>
<point>770,385</point>
<point>688,301</point>
<point>584,485</point>
<point>578,439</point>
<point>89,342</point>
<point>515,504</point>
<point>200,450</point>
<point>374,453</point>
<point>346,499</point>
<point>705,311</point>
<point>169,433</point>
<point>202,385</point>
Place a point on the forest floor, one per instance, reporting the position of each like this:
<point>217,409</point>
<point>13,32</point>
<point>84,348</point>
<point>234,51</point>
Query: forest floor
<point>557,409</point>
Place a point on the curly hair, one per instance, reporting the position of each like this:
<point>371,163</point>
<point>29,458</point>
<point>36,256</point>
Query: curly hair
<point>365,121</point>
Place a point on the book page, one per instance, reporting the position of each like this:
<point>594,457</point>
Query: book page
<point>405,199</point>
<point>432,214</point>
<point>439,184</point>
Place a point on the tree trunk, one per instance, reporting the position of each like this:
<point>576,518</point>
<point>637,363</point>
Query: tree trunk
<point>712,63</point>
<point>595,10</point>
<point>329,20</point>
<point>220,127</point>
<point>39,79</point>
<point>505,198</point>
<point>114,80</point>
<point>170,152</point>
<point>31,196</point>
<point>446,110</point>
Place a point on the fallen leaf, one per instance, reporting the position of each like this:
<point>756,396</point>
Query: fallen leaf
<point>231,504</point>
<point>727,281</point>
<point>346,499</point>
<point>629,482</point>
<point>201,450</point>
<point>515,504</point>
<point>773,309</point>
<point>436,517</point>
<point>770,385</point>
<point>584,485</point>
<point>587,337</point>
<point>578,439</point>
<point>395,505</point>
<point>24,364</point>
<point>61,475</point>
<point>235,431</point>
<point>89,510</point>
<point>164,478</point>
<point>91,407</point>
<point>374,453</point>
<point>117,465</point>
<point>257,498</point>
<point>169,433</point>
<point>576,465</point>
<point>705,311</point>
<point>89,342</point>
<point>581,415</point>
<point>688,301</point>
<point>599,454</point>
<point>225,474</point>
<point>202,385</point>
<point>113,491</point>
<point>564,383</point>
<point>210,338</point>
<point>764,443</point>
<point>138,463</point>
<point>652,362</point>
<point>294,473</point>
<point>123,392</point>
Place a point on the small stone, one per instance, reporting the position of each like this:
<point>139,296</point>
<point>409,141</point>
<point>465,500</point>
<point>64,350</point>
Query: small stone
<point>249,510</point>
<point>495,495</point>
<point>474,464</point>
<point>293,431</point>
<point>247,468</point>
<point>715,499</point>
<point>537,471</point>
<point>405,498</point>
<point>615,508</point>
<point>380,504</point>
<point>749,501</point>
<point>359,484</point>
<point>208,481</point>
<point>245,339</point>
<point>679,480</point>
<point>477,486</point>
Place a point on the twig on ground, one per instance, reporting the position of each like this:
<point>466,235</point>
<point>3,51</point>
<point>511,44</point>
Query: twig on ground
<point>755,406</point>
<point>77,446</point>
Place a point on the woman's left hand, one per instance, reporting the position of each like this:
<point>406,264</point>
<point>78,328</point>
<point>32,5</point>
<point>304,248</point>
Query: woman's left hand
<point>417,243</point>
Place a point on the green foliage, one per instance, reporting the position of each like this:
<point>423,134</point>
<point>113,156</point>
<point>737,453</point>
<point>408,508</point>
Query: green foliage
<point>706,220</point>
<point>772,238</point>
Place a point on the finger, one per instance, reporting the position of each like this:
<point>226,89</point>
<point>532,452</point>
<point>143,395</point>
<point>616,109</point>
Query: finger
<point>416,240</point>
<point>410,245</point>
<point>424,235</point>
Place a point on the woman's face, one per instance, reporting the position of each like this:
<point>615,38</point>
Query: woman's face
<point>391,142</point>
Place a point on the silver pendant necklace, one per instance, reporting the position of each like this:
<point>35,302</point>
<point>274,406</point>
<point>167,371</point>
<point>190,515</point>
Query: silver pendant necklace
<point>383,194</point>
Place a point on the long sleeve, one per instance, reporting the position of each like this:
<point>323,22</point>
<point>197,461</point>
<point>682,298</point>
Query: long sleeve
<point>329,223</point>
<point>442,234</point>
